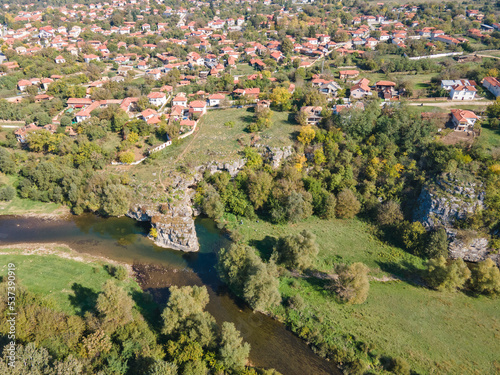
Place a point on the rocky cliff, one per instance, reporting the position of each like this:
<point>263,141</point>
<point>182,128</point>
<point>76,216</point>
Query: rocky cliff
<point>448,199</point>
<point>173,220</point>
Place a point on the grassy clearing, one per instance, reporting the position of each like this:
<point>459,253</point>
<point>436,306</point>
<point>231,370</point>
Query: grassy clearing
<point>215,141</point>
<point>19,206</point>
<point>435,332</point>
<point>491,138</point>
<point>243,70</point>
<point>69,285</point>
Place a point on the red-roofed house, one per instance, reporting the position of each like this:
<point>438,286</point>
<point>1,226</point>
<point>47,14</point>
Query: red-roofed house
<point>198,107</point>
<point>60,60</point>
<point>215,99</point>
<point>348,74</point>
<point>463,120</point>
<point>157,98</point>
<point>492,84</point>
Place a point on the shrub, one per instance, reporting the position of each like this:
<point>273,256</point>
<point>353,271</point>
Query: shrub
<point>447,275</point>
<point>347,204</point>
<point>486,278</point>
<point>400,367</point>
<point>299,250</point>
<point>389,213</point>
<point>352,283</point>
<point>7,193</point>
<point>127,157</point>
<point>437,244</point>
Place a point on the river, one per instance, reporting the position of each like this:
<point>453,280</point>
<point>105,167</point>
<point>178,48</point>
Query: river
<point>124,240</point>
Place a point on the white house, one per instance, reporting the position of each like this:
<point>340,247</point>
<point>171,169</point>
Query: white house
<point>89,58</point>
<point>492,85</point>
<point>215,99</point>
<point>460,92</point>
<point>180,100</point>
<point>157,98</point>
<point>463,120</point>
<point>447,84</point>
<point>60,60</point>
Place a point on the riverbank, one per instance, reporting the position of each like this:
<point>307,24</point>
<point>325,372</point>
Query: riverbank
<point>60,250</point>
<point>124,240</point>
<point>65,280</point>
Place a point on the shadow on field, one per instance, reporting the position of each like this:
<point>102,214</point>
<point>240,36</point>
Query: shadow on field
<point>84,300</point>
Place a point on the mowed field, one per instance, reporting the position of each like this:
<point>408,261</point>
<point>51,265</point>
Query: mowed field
<point>67,285</point>
<point>436,332</point>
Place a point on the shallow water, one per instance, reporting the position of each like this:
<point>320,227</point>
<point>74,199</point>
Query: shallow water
<point>124,240</point>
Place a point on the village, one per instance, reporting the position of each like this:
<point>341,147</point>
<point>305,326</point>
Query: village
<point>135,52</point>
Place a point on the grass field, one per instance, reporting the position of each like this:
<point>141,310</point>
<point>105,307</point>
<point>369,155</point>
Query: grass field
<point>435,332</point>
<point>18,206</point>
<point>243,70</point>
<point>68,285</point>
<point>215,141</point>
<point>491,137</point>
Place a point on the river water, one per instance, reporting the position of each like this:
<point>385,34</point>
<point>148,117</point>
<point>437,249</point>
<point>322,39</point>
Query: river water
<point>124,240</point>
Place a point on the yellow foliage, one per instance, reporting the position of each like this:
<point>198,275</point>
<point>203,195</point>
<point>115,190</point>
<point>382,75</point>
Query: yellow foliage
<point>299,162</point>
<point>495,168</point>
<point>306,135</point>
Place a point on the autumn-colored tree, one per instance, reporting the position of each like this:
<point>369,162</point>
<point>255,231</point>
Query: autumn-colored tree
<point>281,98</point>
<point>306,135</point>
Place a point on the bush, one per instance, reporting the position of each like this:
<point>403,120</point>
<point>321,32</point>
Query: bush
<point>414,237</point>
<point>389,213</point>
<point>7,193</point>
<point>449,276</point>
<point>486,278</point>
<point>299,250</point>
<point>127,157</point>
<point>352,283</point>
<point>400,367</point>
<point>347,204</point>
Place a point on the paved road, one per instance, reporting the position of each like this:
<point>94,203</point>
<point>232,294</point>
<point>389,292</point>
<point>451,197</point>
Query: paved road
<point>453,103</point>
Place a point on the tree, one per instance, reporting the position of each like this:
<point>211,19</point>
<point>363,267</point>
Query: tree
<point>389,213</point>
<point>414,237</point>
<point>233,351</point>
<point>7,193</point>
<point>162,368</point>
<point>347,204</point>
<point>261,289</point>
<point>185,315</point>
<point>116,200</point>
<point>211,203</point>
<point>298,250</point>
<point>259,187</point>
<point>306,135</point>
<point>298,206</point>
<point>447,275</point>
<point>437,244</point>
<point>254,160</point>
<point>352,283</point>
<point>114,307</point>
<point>65,121</point>
<point>486,278</point>
<point>127,157</point>
<point>281,98</point>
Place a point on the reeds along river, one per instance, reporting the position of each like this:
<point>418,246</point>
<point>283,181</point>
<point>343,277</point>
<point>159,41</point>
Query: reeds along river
<point>124,240</point>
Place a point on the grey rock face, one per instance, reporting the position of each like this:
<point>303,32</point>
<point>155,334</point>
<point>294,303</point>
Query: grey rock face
<point>441,203</point>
